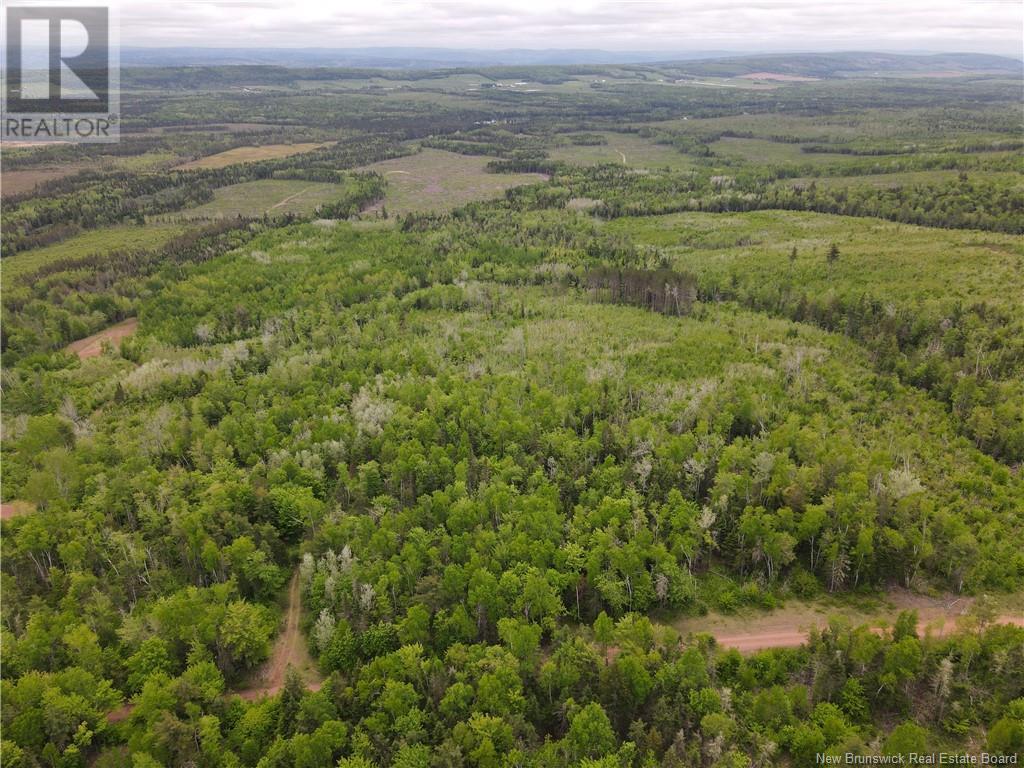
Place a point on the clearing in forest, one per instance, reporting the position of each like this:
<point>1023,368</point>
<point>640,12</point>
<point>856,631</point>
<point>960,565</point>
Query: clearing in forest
<point>627,149</point>
<point>254,198</point>
<point>248,155</point>
<point>91,346</point>
<point>884,260</point>
<point>121,237</point>
<point>11,509</point>
<point>435,180</point>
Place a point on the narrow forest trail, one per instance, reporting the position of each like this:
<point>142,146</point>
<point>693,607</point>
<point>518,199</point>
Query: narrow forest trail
<point>289,651</point>
<point>788,627</point>
<point>290,198</point>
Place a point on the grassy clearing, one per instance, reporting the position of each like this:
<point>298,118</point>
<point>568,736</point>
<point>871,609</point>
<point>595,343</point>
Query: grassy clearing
<point>249,155</point>
<point>880,258</point>
<point>253,198</point>
<point>891,180</point>
<point>626,149</point>
<point>917,126</point>
<point>763,151</point>
<point>435,180</point>
<point>102,240</point>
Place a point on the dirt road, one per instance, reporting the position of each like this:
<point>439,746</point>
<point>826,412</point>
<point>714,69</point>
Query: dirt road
<point>787,627</point>
<point>289,651</point>
<point>290,198</point>
<point>790,626</point>
<point>749,642</point>
<point>91,346</point>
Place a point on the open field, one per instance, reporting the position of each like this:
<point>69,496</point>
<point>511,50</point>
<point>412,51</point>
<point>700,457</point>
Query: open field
<point>868,124</point>
<point>104,240</point>
<point>904,178</point>
<point>17,182</point>
<point>249,155</point>
<point>763,151</point>
<point>253,198</point>
<point>882,259</point>
<point>435,180</point>
<point>623,148</point>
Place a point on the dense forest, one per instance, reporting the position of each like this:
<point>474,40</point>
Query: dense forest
<point>390,478</point>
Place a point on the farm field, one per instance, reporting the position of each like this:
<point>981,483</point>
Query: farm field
<point>18,182</point>
<point>435,180</point>
<point>869,124</point>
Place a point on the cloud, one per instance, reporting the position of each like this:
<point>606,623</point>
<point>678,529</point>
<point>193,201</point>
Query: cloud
<point>670,25</point>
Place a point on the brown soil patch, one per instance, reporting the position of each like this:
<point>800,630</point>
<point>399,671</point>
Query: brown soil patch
<point>11,509</point>
<point>790,626</point>
<point>91,346</point>
<point>289,651</point>
<point>17,182</point>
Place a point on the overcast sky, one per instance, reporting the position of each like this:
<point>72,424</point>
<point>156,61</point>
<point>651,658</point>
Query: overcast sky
<point>992,26</point>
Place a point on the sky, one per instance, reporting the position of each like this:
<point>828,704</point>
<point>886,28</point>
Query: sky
<point>988,26</point>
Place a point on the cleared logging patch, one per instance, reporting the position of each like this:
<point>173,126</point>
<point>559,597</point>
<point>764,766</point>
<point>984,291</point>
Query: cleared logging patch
<point>102,240</point>
<point>623,149</point>
<point>249,155</point>
<point>254,198</point>
<point>91,346</point>
<point>435,180</point>
<point>880,259</point>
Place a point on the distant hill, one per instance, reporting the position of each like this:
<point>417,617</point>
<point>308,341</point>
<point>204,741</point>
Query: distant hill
<point>395,58</point>
<point>857,64</point>
<point>703,63</point>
